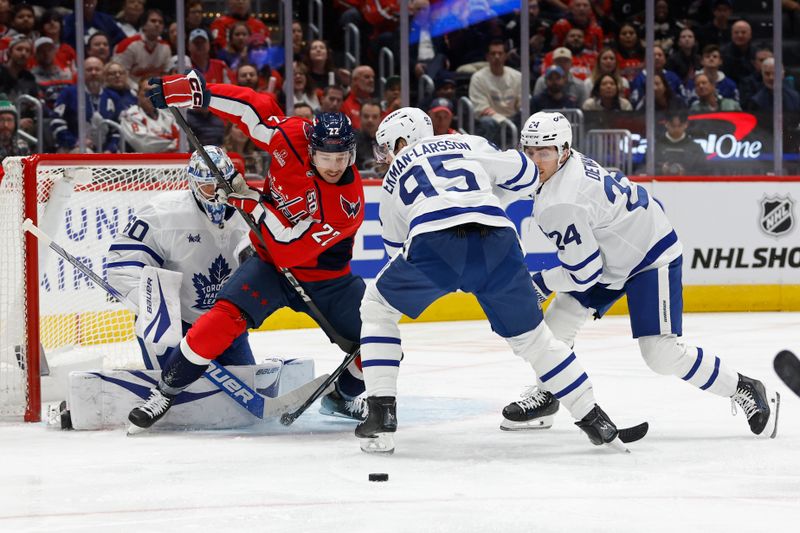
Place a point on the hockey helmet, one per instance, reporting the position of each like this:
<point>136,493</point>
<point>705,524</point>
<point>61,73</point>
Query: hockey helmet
<point>203,183</point>
<point>331,133</point>
<point>547,129</point>
<point>408,123</point>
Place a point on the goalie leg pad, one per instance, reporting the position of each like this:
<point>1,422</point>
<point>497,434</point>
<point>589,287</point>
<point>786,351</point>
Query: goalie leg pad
<point>557,367</point>
<point>666,356</point>
<point>215,331</point>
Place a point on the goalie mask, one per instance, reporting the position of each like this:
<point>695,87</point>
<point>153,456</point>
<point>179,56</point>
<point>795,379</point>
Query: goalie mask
<point>204,184</point>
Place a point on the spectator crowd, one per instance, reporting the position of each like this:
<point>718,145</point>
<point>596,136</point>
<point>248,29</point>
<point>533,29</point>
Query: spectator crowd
<point>710,56</point>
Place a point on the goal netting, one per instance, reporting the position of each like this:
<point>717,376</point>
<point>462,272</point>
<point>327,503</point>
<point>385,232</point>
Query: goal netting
<point>46,305</point>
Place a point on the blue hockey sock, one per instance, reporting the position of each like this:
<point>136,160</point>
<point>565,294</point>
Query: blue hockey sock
<point>348,385</point>
<point>178,372</point>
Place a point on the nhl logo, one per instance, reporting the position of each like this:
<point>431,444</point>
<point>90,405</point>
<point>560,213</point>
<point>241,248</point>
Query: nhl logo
<point>777,215</point>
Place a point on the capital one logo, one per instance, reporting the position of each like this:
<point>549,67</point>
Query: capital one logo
<point>777,215</point>
<point>725,146</point>
<point>730,144</point>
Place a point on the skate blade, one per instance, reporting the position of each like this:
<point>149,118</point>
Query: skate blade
<point>771,429</point>
<point>617,445</point>
<point>382,443</point>
<point>337,414</point>
<point>539,423</point>
<point>133,430</point>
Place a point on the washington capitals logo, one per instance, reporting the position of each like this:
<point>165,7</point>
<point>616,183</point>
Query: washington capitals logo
<point>351,209</point>
<point>777,215</point>
<point>207,287</point>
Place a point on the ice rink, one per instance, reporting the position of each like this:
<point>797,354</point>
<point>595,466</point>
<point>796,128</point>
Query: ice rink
<point>699,469</point>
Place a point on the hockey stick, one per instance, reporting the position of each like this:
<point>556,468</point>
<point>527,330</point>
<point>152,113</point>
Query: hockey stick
<point>288,416</point>
<point>228,383</point>
<point>787,366</point>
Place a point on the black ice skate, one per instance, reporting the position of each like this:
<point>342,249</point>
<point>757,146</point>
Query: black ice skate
<point>536,410</point>
<point>334,404</point>
<point>145,415</point>
<point>375,433</point>
<point>759,405</point>
<point>600,429</point>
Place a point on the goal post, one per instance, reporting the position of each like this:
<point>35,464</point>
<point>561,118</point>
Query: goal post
<point>82,201</point>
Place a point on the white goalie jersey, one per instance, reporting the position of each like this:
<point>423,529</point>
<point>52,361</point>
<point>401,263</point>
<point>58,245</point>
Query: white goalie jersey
<point>606,229</point>
<point>172,232</point>
<point>462,178</point>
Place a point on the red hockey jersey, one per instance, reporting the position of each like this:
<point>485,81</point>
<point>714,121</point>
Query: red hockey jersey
<point>311,224</point>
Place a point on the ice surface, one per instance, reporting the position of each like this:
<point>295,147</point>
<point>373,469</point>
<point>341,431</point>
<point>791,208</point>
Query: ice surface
<point>699,469</point>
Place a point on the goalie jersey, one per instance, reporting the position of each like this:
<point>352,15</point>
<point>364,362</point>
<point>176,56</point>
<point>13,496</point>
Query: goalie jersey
<point>606,229</point>
<point>172,232</point>
<point>461,178</point>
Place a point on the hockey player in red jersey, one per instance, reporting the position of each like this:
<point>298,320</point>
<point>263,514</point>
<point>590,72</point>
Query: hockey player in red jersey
<point>308,213</point>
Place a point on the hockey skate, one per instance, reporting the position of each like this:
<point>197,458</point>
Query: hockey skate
<point>334,404</point>
<point>601,430</point>
<point>147,414</point>
<point>375,433</point>
<point>536,410</point>
<point>760,406</point>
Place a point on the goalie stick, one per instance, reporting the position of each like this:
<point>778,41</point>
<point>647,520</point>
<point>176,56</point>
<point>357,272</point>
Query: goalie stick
<point>351,348</point>
<point>787,366</point>
<point>257,405</point>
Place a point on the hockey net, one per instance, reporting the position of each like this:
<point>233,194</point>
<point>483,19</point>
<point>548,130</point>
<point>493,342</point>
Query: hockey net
<point>46,305</point>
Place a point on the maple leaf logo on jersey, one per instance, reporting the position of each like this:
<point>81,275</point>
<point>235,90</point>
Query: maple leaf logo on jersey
<point>207,287</point>
<point>351,209</point>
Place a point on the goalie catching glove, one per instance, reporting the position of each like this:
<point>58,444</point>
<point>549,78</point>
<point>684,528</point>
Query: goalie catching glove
<point>179,90</point>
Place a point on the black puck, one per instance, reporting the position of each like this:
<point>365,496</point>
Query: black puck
<point>379,477</point>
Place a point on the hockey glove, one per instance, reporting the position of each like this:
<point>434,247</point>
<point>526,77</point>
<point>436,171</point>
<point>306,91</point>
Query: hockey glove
<point>179,91</point>
<point>241,196</point>
<point>542,292</point>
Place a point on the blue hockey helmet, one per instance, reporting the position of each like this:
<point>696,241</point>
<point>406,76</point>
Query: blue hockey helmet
<point>203,183</point>
<point>332,133</point>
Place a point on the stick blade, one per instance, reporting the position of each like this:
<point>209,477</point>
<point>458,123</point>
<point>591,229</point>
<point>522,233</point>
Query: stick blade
<point>787,366</point>
<point>291,401</point>
<point>632,434</point>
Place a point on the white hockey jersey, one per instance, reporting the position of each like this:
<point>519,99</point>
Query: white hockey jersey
<point>173,233</point>
<point>447,180</point>
<point>606,229</point>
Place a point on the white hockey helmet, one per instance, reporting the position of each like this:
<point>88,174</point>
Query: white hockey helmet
<point>408,123</point>
<point>547,129</point>
<point>203,183</point>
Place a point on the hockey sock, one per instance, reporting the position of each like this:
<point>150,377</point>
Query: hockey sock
<point>380,344</point>
<point>351,383</point>
<point>179,371</point>
<point>665,355</point>
<point>216,330</point>
<point>557,367</point>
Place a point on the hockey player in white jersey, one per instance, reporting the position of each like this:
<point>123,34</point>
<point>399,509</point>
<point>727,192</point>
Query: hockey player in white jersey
<point>188,232</point>
<point>613,239</point>
<point>445,228</point>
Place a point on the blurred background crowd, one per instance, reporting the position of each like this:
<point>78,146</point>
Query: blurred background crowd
<point>714,82</point>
